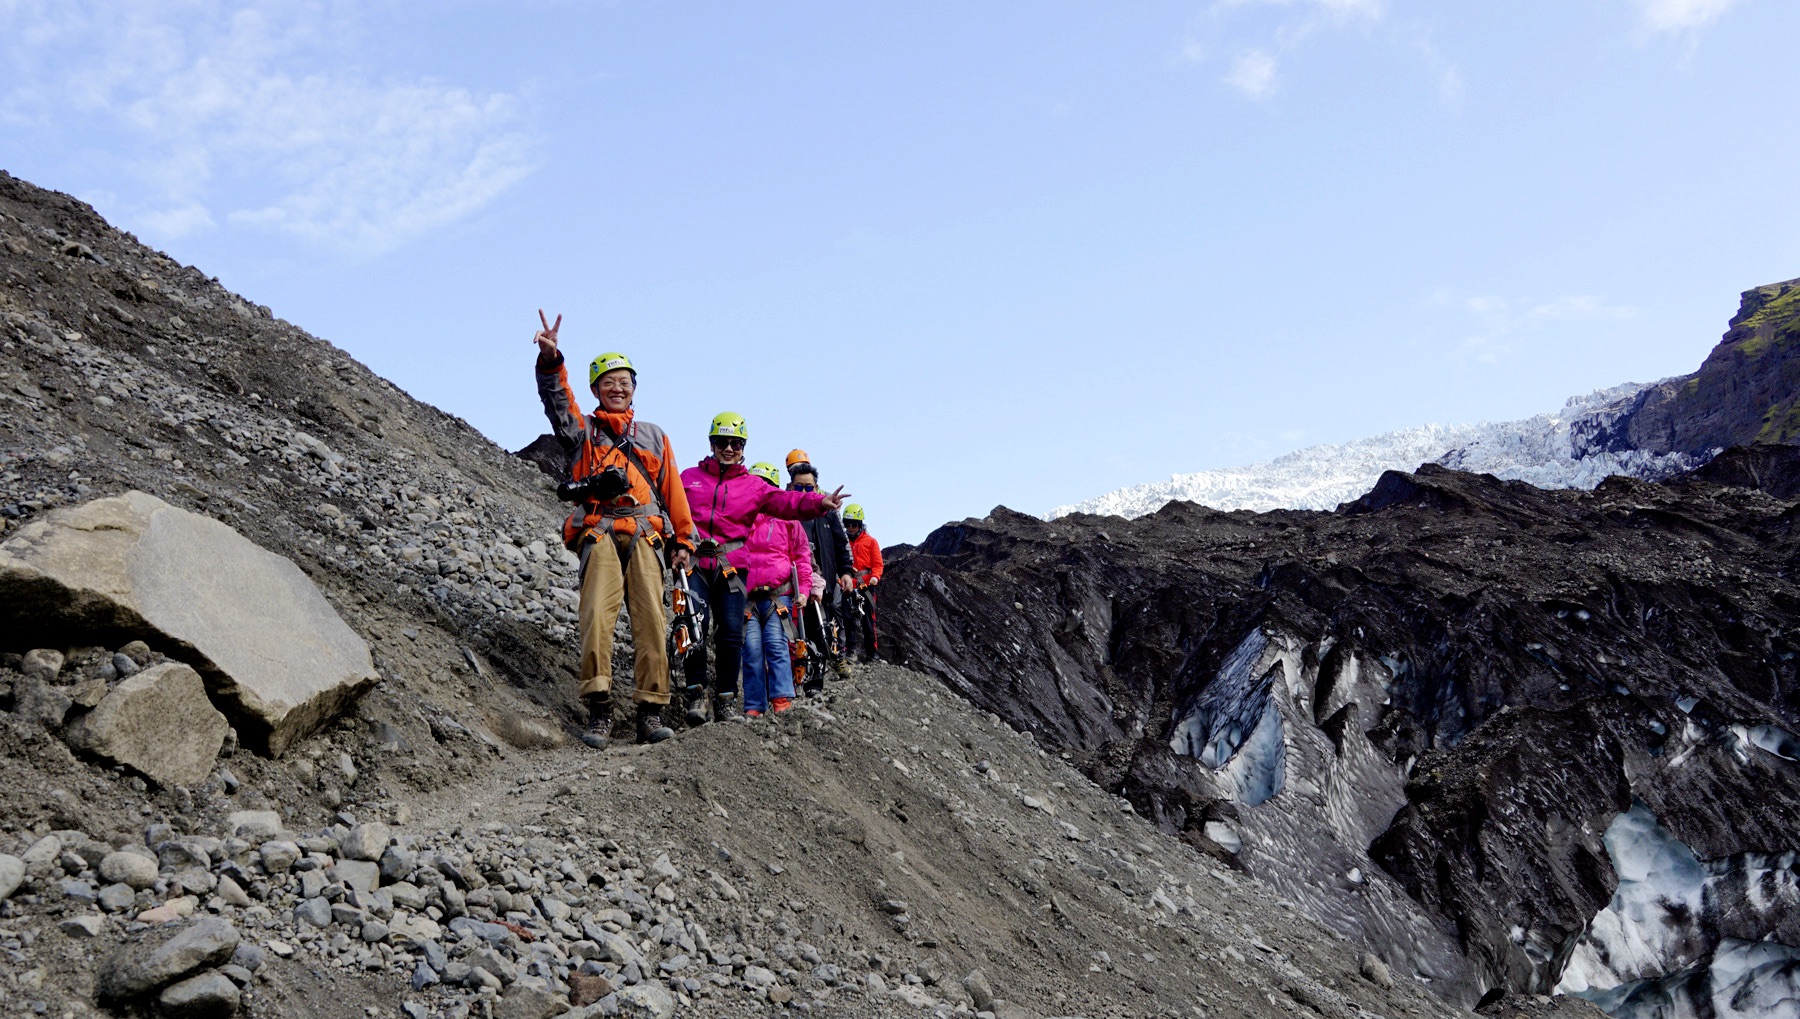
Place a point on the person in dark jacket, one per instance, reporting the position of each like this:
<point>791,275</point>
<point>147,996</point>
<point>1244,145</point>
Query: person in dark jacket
<point>831,551</point>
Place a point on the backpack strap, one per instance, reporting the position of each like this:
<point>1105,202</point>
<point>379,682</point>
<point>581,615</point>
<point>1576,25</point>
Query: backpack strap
<point>624,444</point>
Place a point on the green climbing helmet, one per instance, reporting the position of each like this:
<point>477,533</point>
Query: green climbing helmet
<point>854,511</point>
<point>612,360</point>
<point>725,424</point>
<point>768,472</point>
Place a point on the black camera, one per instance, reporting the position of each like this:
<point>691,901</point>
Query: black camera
<point>605,486</point>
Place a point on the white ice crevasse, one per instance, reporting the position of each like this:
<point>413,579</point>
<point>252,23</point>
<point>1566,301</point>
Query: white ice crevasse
<point>1654,952</point>
<point>1308,807</point>
<point>1548,450</point>
<point>1235,727</point>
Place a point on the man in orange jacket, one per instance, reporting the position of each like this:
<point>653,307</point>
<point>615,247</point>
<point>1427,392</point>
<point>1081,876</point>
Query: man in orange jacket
<point>865,556</point>
<point>630,506</point>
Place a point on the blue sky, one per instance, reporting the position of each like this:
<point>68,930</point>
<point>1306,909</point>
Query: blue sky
<point>965,254</point>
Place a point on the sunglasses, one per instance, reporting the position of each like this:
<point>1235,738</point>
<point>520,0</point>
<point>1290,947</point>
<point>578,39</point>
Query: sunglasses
<point>723,443</point>
<point>801,487</point>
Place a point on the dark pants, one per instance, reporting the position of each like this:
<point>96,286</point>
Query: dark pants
<point>859,630</point>
<point>721,612</point>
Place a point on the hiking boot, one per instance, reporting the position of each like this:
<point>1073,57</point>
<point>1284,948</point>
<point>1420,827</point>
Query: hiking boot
<point>600,719</point>
<point>650,727</point>
<point>697,713</point>
<point>780,704</point>
<point>752,713</point>
<point>842,665</point>
<point>814,690</point>
<point>725,707</point>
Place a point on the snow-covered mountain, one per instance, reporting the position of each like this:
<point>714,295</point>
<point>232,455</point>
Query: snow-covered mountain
<point>1577,446</point>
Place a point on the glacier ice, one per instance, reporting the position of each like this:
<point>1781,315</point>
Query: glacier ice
<point>1631,939</point>
<point>1658,951</point>
<point>1563,449</point>
<point>1235,728</point>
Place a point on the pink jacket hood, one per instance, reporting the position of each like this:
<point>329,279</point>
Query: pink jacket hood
<point>725,501</point>
<point>776,551</point>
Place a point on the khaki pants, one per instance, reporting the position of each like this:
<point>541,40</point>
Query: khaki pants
<point>638,584</point>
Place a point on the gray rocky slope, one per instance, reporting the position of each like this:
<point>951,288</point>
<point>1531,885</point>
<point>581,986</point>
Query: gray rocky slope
<point>441,848</point>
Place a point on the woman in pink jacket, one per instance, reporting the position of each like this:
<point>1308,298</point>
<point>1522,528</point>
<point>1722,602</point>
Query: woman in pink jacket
<point>777,564</point>
<point>725,500</point>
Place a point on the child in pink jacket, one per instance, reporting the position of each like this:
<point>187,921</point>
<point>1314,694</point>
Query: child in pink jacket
<point>777,564</point>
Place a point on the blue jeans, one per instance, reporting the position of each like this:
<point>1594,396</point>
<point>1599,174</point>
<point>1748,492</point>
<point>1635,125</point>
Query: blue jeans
<point>767,672</point>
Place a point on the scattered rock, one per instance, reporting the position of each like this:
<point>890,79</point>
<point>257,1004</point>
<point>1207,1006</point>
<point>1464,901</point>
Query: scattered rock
<point>1376,972</point>
<point>587,988</point>
<point>366,842</point>
<point>254,825</point>
<point>42,855</point>
<point>133,870</point>
<point>206,996</point>
<point>147,965</point>
<point>42,664</point>
<point>981,993</point>
<point>116,898</point>
<point>159,723</point>
<point>11,874</point>
<point>525,1000</point>
<point>172,910</point>
<point>278,856</point>
<point>40,703</point>
<point>86,926</point>
<point>646,1001</point>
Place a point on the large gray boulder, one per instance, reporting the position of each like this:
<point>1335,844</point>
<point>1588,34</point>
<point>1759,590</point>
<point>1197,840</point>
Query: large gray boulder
<point>273,653</point>
<point>162,959</point>
<point>159,723</point>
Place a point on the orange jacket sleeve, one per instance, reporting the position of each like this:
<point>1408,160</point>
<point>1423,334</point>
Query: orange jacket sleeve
<point>674,498</point>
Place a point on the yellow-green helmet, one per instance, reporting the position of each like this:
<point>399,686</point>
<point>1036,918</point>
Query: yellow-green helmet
<point>854,511</point>
<point>768,472</point>
<point>728,425</point>
<point>612,360</point>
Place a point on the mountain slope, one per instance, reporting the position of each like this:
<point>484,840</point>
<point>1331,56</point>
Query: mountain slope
<point>858,857</point>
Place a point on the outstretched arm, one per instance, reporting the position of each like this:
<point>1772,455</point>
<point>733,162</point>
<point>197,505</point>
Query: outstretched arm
<point>558,397</point>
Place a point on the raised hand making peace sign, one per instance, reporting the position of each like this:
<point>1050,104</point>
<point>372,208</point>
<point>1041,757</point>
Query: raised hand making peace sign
<point>545,338</point>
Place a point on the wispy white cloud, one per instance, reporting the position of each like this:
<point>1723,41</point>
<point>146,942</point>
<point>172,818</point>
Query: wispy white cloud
<point>258,117</point>
<point>1681,15</point>
<point>1253,74</point>
<point>1266,35</point>
<point>1367,9</point>
<point>1501,325</point>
